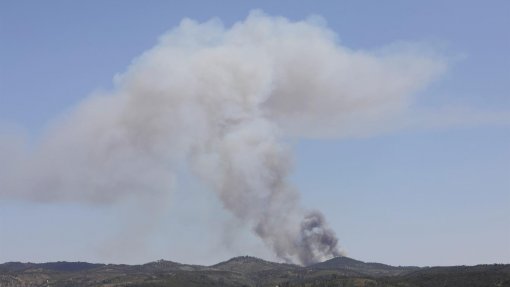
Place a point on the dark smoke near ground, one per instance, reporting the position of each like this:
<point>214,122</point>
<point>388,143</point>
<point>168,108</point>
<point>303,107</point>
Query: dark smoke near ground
<point>316,239</point>
<point>222,100</point>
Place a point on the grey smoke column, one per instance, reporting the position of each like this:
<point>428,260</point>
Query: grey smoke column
<point>250,169</point>
<point>222,100</point>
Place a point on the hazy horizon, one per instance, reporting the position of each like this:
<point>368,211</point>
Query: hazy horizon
<point>235,257</point>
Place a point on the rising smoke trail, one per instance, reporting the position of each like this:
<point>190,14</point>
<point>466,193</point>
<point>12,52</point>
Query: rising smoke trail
<point>223,100</point>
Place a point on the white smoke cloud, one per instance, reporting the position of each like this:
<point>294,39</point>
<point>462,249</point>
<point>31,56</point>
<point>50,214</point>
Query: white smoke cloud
<point>222,100</point>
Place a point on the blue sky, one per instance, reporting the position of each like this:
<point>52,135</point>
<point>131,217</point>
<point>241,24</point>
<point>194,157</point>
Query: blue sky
<point>429,196</point>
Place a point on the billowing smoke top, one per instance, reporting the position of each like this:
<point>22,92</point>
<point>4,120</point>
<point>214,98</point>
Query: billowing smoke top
<point>222,100</point>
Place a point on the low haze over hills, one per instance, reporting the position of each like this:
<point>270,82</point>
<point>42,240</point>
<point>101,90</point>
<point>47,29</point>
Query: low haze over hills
<point>250,271</point>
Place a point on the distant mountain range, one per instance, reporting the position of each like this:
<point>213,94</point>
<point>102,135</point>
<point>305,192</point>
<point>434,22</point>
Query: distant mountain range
<point>250,271</point>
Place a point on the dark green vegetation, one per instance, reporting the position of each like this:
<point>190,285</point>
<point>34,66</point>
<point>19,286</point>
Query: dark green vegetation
<point>250,271</point>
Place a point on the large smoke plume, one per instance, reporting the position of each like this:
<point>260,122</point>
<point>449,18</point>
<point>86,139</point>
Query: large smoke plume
<point>222,100</point>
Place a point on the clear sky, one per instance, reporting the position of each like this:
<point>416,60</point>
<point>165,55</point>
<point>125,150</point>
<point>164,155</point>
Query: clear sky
<point>424,196</point>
